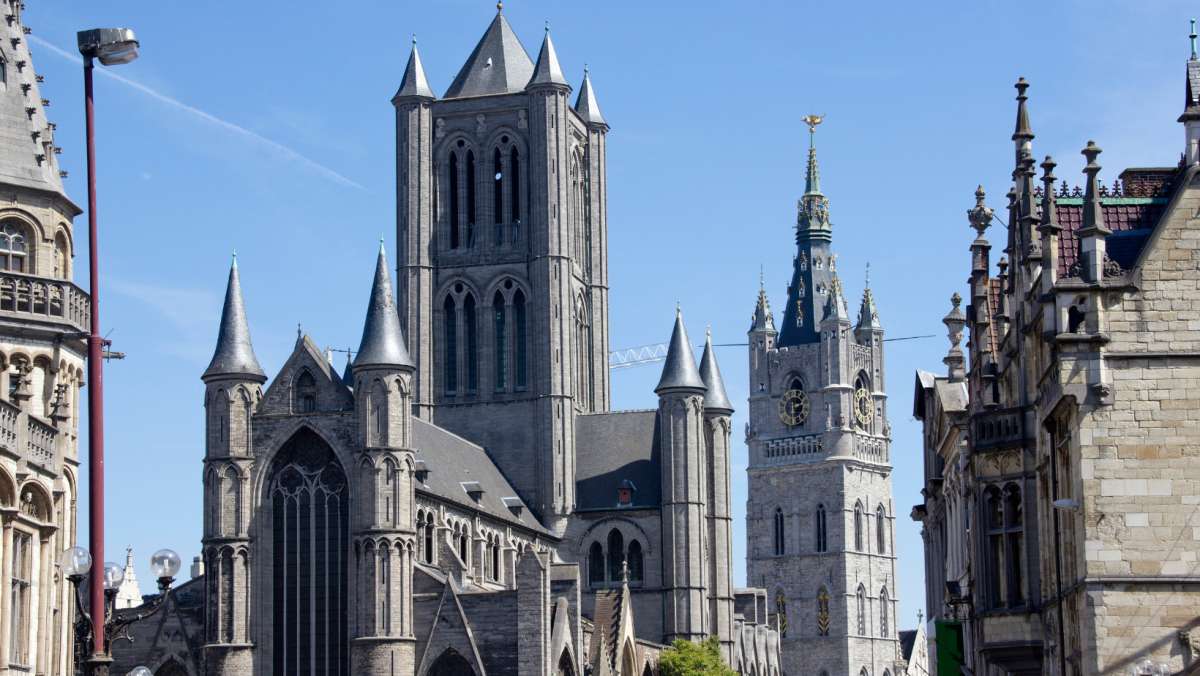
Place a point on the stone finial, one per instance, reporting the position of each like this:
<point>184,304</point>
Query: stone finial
<point>1003,265</point>
<point>1093,215</point>
<point>980,216</point>
<point>1023,134</point>
<point>955,321</point>
<point>1049,203</point>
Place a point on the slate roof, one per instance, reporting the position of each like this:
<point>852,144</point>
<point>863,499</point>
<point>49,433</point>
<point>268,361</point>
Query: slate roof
<point>25,131</point>
<point>1130,219</point>
<point>414,83</point>
<point>679,370</point>
<point>715,397</point>
<point>451,461</point>
<point>382,341</point>
<point>614,447</point>
<point>234,354</point>
<point>498,65</point>
<point>907,639</point>
<point>547,70</point>
<point>1191,102</point>
<point>586,104</point>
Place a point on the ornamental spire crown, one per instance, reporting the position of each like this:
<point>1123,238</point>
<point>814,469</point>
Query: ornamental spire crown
<point>812,217</point>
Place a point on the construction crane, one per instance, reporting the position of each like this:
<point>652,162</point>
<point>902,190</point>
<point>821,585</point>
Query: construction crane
<point>649,354</point>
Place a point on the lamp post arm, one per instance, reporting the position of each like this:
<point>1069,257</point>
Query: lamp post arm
<point>117,626</point>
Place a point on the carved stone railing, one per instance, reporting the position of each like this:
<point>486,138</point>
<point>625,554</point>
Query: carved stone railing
<point>1003,428</point>
<point>43,298</point>
<point>27,435</point>
<point>870,449</point>
<point>812,445</point>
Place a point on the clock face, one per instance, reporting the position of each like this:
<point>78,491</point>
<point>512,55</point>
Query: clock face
<point>864,411</point>
<point>793,408</point>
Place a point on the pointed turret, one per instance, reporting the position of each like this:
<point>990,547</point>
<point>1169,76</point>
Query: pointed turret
<point>499,64</point>
<point>679,372</point>
<point>868,314</point>
<point>1191,104</point>
<point>835,303</point>
<point>382,341</point>
<point>348,372</point>
<point>414,85</point>
<point>715,398</point>
<point>586,104</point>
<point>547,71</point>
<point>234,355</point>
<point>763,320</point>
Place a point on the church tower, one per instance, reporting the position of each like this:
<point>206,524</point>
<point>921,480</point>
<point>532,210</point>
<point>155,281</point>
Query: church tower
<point>502,238</point>
<point>820,513</point>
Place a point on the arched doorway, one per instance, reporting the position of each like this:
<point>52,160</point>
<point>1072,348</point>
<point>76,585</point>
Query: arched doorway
<point>450,663</point>
<point>307,499</point>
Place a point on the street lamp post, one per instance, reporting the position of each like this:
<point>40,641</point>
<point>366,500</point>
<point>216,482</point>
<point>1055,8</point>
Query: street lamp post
<point>112,46</point>
<point>76,562</point>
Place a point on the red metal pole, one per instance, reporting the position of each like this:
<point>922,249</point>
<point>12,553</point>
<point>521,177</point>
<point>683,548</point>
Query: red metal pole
<point>95,388</point>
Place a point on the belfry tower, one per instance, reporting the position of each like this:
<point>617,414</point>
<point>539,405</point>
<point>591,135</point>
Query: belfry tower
<point>820,513</point>
<point>502,238</point>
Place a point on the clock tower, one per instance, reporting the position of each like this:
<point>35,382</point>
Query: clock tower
<point>820,515</point>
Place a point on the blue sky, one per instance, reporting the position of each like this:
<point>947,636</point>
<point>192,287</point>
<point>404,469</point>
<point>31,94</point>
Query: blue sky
<point>269,130</point>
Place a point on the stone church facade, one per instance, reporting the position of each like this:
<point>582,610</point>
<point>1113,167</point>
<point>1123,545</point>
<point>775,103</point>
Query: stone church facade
<point>43,320</point>
<point>461,499</point>
<point>820,534</point>
<point>1062,451</point>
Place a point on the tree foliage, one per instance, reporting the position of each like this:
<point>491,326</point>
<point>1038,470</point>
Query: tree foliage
<point>685,658</point>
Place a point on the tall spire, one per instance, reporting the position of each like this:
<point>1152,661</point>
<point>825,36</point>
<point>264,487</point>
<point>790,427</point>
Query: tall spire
<point>586,104</point>
<point>715,398</point>
<point>812,218</point>
<point>234,355</point>
<point>382,341</point>
<point>414,84</point>
<point>679,372</point>
<point>547,71</point>
<point>763,321</point>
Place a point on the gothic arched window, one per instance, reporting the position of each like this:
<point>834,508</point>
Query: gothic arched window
<point>823,612</point>
<point>471,351</point>
<point>497,198</point>
<point>464,549</point>
<point>994,510</point>
<point>450,356</point>
<point>883,613</point>
<point>778,532</point>
<point>495,557</point>
<point>522,364</point>
<point>1014,544</point>
<point>472,214</point>
<point>62,257</point>
<point>634,561</point>
<point>452,172</point>
<point>822,536</point>
<point>861,602</point>
<point>310,537</point>
<point>306,393</point>
<point>501,342</point>
<point>858,526</point>
<point>514,200</point>
<point>881,529</point>
<point>781,612</point>
<point>596,564</point>
<point>616,554</point>
<point>14,248</point>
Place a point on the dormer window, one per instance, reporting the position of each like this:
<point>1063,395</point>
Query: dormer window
<point>625,493</point>
<point>473,489</point>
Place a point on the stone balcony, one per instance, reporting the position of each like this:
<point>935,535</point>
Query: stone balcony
<point>27,436</point>
<point>44,299</point>
<point>1000,429</point>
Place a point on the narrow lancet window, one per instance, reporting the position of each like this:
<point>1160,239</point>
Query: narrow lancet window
<point>452,175</point>
<point>471,353</point>
<point>501,347</point>
<point>450,358</point>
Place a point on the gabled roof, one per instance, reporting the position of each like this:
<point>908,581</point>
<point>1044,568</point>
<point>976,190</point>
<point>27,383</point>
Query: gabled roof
<point>498,65</point>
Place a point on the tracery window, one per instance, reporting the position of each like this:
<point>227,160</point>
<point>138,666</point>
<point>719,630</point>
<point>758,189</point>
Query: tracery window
<point>778,532</point>
<point>14,248</point>
<point>858,526</point>
<point>881,530</point>
<point>823,612</point>
<point>822,536</point>
<point>310,532</point>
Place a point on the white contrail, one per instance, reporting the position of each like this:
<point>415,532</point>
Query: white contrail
<point>207,117</point>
